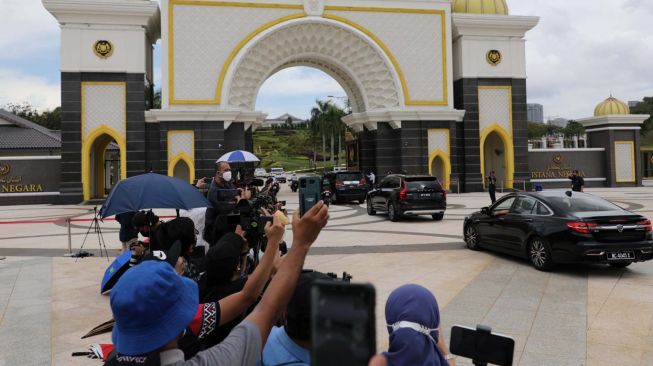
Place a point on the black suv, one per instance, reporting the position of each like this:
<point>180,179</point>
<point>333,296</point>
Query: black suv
<point>345,186</point>
<point>408,195</point>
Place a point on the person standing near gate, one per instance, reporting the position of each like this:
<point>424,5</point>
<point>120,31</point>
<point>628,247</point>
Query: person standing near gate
<point>577,182</point>
<point>492,186</point>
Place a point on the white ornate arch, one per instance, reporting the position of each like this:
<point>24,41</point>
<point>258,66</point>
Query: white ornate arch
<point>346,54</point>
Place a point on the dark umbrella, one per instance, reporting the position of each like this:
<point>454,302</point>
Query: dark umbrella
<point>152,190</point>
<point>114,271</point>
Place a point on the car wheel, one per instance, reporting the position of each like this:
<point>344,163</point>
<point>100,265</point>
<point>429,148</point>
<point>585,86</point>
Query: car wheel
<point>438,217</point>
<point>620,264</point>
<point>392,213</point>
<point>540,254</point>
<point>472,240</point>
<point>361,201</point>
<point>370,209</point>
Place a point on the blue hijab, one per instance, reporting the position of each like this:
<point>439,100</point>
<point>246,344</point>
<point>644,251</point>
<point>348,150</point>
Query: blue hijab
<point>413,341</point>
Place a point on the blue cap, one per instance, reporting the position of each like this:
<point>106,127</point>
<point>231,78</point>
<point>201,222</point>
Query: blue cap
<point>151,305</point>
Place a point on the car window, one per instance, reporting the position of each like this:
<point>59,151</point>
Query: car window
<point>421,184</point>
<point>385,183</point>
<point>349,176</point>
<point>504,205</point>
<point>523,206</point>
<point>542,210</point>
<point>583,203</point>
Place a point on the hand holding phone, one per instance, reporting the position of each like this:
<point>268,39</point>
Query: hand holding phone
<point>481,345</point>
<point>343,324</point>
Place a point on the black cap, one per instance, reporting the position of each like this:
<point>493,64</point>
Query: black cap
<point>229,246</point>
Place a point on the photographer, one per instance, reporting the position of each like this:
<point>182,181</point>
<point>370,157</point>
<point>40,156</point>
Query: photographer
<point>221,203</point>
<point>152,307</point>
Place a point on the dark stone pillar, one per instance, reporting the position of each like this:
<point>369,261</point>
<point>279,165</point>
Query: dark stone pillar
<point>71,138</point>
<point>367,148</point>
<point>388,149</point>
<point>249,140</point>
<point>520,134</point>
<point>468,137</point>
<point>135,108</point>
<point>234,137</point>
<point>152,149</point>
<point>411,151</point>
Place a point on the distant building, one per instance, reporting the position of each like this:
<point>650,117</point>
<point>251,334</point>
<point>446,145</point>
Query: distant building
<point>560,122</point>
<point>281,121</point>
<point>535,112</point>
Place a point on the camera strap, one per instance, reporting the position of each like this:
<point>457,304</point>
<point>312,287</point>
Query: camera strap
<point>416,327</point>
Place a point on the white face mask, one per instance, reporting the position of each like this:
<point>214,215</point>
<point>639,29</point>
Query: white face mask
<point>226,176</point>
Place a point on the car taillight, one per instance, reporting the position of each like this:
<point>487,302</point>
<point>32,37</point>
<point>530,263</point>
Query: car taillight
<point>581,227</point>
<point>444,194</point>
<point>363,182</point>
<point>647,225</point>
<point>339,183</point>
<point>404,192</point>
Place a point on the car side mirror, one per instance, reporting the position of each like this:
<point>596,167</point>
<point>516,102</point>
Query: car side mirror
<point>485,211</point>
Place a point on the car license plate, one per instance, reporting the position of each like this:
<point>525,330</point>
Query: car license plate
<point>617,256</point>
<point>425,195</point>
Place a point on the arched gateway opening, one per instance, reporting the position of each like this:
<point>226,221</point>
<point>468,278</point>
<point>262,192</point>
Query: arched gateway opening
<point>496,155</point>
<point>347,54</point>
<point>103,165</point>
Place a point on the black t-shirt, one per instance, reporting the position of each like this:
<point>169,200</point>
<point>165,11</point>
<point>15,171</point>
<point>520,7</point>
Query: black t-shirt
<point>214,294</point>
<point>577,183</point>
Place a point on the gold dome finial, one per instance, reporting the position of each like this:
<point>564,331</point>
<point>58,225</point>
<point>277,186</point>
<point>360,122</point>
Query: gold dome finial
<point>611,106</point>
<point>496,7</point>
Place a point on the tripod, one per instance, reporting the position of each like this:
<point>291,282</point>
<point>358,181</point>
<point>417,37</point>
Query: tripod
<point>95,226</point>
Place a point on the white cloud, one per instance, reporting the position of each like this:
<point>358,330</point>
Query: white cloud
<point>298,81</point>
<point>583,50</point>
<point>39,92</point>
<point>26,29</point>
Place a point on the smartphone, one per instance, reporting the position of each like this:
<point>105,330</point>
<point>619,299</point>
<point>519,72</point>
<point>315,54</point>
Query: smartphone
<point>343,324</point>
<point>309,193</point>
<point>262,221</point>
<point>481,345</point>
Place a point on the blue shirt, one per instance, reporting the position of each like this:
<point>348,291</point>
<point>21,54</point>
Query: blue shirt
<point>281,350</point>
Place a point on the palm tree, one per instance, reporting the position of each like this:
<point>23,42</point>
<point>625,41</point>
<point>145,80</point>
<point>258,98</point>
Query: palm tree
<point>326,121</point>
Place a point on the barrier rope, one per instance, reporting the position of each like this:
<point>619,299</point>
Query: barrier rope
<point>63,220</point>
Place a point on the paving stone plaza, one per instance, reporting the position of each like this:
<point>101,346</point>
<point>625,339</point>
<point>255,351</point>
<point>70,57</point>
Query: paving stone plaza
<point>576,315</point>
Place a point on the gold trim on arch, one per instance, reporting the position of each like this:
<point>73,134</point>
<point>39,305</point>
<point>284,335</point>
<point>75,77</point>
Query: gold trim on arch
<point>189,160</point>
<point>404,85</point>
<point>88,139</point>
<point>444,155</point>
<point>632,161</point>
<point>218,94</point>
<point>506,136</point>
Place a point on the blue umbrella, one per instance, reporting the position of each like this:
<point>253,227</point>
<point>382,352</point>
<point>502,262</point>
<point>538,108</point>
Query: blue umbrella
<point>238,156</point>
<point>114,271</point>
<point>152,190</point>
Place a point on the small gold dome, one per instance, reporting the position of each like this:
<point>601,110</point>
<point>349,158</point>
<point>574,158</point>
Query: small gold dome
<point>611,106</point>
<point>497,7</point>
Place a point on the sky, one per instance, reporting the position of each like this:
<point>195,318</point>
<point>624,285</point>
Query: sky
<point>581,52</point>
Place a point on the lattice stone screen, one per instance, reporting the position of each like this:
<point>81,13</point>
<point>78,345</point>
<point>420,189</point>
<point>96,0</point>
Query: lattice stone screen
<point>624,161</point>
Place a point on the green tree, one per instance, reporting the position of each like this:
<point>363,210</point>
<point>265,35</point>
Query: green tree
<point>50,119</point>
<point>536,130</point>
<point>288,123</point>
<point>573,128</point>
<point>645,107</point>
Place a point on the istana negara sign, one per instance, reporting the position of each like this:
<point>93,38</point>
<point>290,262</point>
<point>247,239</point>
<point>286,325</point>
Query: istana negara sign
<point>29,175</point>
<point>557,170</point>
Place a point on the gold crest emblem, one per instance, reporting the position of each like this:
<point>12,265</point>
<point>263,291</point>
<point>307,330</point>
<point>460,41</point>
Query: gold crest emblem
<point>5,169</point>
<point>557,159</point>
<point>103,49</point>
<point>493,57</point>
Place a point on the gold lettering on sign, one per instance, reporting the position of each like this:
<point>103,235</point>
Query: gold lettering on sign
<point>20,188</point>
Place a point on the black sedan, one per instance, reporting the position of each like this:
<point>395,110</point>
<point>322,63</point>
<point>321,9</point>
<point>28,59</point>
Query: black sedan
<point>561,227</point>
